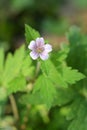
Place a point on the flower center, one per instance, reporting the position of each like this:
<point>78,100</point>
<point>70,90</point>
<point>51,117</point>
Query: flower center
<point>39,49</point>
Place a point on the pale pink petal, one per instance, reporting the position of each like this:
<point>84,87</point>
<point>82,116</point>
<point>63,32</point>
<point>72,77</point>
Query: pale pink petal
<point>39,49</point>
<point>40,41</point>
<point>48,48</point>
<point>44,55</point>
<point>34,55</point>
<point>32,45</point>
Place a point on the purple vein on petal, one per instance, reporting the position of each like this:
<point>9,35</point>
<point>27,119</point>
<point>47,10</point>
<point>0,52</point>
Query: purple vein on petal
<point>34,55</point>
<point>44,55</point>
<point>32,45</point>
<point>48,47</point>
<point>40,41</point>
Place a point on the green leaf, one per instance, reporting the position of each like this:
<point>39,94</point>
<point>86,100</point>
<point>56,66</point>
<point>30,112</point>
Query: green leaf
<point>19,53</point>
<point>71,76</point>
<point>77,49</point>
<point>74,36</point>
<point>13,65</point>
<point>1,64</point>
<point>64,96</point>
<point>77,58</point>
<point>50,71</point>
<point>18,84</point>
<point>44,93</point>
<point>1,59</point>
<point>79,111</point>
<point>46,89</point>
<point>33,99</point>
<point>8,71</point>
<point>62,54</point>
<point>3,94</point>
<point>27,67</point>
<point>30,33</point>
<point>73,107</point>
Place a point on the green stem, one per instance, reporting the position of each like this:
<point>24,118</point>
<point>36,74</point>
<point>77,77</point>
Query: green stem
<point>14,107</point>
<point>37,68</point>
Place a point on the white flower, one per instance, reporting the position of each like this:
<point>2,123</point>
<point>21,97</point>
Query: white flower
<point>39,49</point>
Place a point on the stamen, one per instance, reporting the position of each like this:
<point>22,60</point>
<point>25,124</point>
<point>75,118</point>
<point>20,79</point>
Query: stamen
<point>39,49</point>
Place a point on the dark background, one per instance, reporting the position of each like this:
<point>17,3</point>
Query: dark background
<point>51,17</point>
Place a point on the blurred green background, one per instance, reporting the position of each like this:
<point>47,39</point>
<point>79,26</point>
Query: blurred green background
<point>51,17</point>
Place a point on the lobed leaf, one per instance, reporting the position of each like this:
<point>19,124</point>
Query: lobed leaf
<point>50,71</point>
<point>71,76</point>
<point>17,84</point>
<point>13,65</point>
<point>30,33</point>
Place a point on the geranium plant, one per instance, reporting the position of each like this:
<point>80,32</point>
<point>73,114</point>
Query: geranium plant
<point>36,77</point>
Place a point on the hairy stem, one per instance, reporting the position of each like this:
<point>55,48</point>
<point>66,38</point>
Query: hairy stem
<point>37,68</point>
